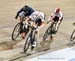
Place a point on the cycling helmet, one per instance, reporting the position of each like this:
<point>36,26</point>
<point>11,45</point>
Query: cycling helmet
<point>57,10</point>
<point>25,7</point>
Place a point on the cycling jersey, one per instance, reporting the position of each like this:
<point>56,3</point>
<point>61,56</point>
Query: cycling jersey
<point>35,16</point>
<point>59,15</point>
<point>25,12</point>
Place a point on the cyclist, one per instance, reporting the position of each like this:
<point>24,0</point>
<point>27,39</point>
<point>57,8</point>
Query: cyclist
<point>38,18</point>
<point>24,13</point>
<point>56,16</point>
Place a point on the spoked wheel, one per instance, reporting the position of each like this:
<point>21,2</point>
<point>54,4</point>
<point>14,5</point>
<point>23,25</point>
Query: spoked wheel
<point>16,32</point>
<point>72,36</point>
<point>27,42</point>
<point>47,33</point>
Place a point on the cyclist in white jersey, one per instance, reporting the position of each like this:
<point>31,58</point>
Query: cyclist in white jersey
<point>56,16</point>
<point>38,18</point>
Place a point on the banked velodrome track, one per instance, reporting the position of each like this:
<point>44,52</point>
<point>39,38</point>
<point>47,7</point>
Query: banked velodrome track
<point>8,11</point>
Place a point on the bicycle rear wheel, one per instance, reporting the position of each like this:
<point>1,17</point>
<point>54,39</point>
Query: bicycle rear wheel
<point>27,42</point>
<point>72,36</point>
<point>16,31</point>
<point>47,33</point>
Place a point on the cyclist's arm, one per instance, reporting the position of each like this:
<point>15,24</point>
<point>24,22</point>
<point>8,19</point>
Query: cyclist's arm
<point>50,19</point>
<point>18,13</point>
<point>61,15</point>
<point>60,18</point>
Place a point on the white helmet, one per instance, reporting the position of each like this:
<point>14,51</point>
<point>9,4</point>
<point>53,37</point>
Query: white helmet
<point>57,10</point>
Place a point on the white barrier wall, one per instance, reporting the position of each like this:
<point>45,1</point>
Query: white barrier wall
<point>67,54</point>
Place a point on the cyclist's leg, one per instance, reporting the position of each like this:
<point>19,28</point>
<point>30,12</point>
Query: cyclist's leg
<point>51,36</point>
<point>37,24</point>
<point>56,19</point>
<point>58,24</point>
<point>23,34</point>
<point>24,31</point>
<point>21,22</point>
<point>33,42</point>
<point>21,18</point>
<point>60,20</point>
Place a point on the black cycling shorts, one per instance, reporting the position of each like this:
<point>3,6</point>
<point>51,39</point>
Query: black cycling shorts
<point>57,18</point>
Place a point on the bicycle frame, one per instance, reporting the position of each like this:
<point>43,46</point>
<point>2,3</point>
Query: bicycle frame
<point>30,38</point>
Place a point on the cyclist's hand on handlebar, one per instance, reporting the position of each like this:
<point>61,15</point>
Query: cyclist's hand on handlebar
<point>16,17</point>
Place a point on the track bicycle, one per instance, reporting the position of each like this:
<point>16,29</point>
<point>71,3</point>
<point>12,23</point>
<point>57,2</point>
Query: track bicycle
<point>17,31</point>
<point>30,38</point>
<point>50,30</point>
<point>72,37</point>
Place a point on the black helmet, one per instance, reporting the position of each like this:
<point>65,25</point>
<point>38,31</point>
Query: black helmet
<point>25,7</point>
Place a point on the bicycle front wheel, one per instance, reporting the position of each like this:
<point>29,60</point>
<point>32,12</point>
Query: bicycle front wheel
<point>72,36</point>
<point>16,31</point>
<point>47,33</point>
<point>27,42</point>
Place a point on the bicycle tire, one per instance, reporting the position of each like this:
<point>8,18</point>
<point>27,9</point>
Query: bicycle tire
<point>14,36</point>
<point>47,33</point>
<point>27,42</point>
<point>34,38</point>
<point>72,35</point>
